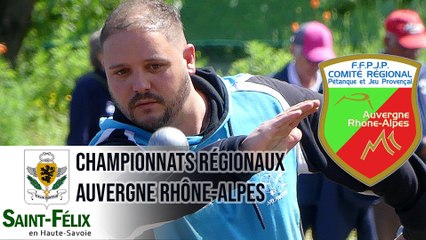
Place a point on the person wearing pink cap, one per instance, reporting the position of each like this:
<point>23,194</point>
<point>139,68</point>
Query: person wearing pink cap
<point>405,36</point>
<point>330,210</point>
<point>311,44</point>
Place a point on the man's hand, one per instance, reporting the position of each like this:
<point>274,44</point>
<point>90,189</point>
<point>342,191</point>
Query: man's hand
<point>280,133</point>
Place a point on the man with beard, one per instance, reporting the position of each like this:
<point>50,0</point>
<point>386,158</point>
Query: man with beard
<point>154,82</point>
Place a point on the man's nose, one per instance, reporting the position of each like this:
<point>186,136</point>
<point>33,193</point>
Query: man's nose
<point>140,83</point>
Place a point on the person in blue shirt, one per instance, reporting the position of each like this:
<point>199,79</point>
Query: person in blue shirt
<point>90,99</point>
<point>153,80</point>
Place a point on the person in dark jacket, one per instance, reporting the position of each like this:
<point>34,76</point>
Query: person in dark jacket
<point>90,99</point>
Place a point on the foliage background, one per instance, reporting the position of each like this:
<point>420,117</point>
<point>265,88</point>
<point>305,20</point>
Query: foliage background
<point>232,35</point>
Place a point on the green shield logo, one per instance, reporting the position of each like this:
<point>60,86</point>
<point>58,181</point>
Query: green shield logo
<point>370,122</point>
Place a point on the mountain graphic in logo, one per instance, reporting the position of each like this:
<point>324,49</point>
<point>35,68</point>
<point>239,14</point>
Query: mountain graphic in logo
<point>370,121</point>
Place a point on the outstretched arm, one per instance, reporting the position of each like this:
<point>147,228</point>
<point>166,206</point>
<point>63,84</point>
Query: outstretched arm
<point>280,133</point>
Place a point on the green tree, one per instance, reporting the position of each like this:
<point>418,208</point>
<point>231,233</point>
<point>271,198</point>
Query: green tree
<point>55,52</point>
<point>15,20</point>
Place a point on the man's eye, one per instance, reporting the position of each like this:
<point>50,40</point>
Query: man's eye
<point>121,72</point>
<point>155,66</point>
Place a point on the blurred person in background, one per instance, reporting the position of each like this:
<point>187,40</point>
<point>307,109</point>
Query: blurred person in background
<point>331,211</point>
<point>90,99</point>
<point>405,36</point>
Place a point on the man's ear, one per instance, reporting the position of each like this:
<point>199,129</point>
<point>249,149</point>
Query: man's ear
<point>189,56</point>
<point>100,58</point>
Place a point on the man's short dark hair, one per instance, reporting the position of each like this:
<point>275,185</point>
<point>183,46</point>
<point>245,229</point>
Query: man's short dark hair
<point>148,15</point>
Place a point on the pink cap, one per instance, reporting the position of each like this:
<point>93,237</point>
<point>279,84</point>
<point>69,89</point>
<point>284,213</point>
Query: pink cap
<point>316,41</point>
<point>408,27</point>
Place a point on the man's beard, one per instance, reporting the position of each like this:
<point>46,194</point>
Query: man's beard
<point>172,107</point>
